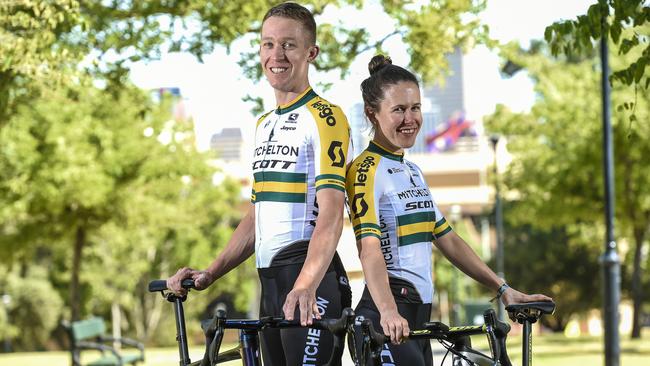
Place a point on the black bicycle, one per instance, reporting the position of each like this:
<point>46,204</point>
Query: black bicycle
<point>457,339</point>
<point>248,347</point>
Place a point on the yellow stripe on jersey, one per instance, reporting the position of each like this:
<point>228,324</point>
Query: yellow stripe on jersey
<point>334,139</point>
<point>262,117</point>
<point>280,187</point>
<point>360,185</point>
<point>419,227</point>
<point>442,227</point>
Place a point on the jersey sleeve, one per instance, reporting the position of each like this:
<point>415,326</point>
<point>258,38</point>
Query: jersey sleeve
<point>441,226</point>
<point>331,145</point>
<point>363,197</point>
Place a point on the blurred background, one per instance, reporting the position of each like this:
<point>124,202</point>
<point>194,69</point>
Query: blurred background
<point>126,129</point>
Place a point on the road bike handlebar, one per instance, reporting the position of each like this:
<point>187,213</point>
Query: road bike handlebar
<point>494,329</point>
<point>214,328</point>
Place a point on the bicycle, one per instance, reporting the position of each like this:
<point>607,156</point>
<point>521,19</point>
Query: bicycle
<point>457,339</point>
<point>248,347</point>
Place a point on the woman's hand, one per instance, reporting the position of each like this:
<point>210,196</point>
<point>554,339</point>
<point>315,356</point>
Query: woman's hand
<point>394,326</point>
<point>202,279</point>
<point>512,296</point>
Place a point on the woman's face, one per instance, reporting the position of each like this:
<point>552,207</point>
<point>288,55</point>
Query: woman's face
<point>399,118</point>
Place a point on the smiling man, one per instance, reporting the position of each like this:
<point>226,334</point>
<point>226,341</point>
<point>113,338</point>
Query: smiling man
<point>294,222</point>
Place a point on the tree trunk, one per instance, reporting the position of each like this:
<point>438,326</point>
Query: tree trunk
<point>75,291</point>
<point>637,288</point>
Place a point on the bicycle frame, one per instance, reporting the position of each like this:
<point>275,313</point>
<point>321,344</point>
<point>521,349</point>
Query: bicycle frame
<point>458,337</point>
<point>248,349</point>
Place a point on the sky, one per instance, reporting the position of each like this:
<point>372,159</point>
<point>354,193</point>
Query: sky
<point>213,90</point>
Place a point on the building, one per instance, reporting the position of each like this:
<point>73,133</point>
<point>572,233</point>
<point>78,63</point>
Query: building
<point>228,144</point>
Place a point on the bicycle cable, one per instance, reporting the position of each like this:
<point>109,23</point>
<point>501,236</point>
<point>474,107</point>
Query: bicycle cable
<point>449,347</point>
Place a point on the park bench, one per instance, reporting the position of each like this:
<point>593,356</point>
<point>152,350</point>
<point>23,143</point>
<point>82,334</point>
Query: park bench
<point>90,334</point>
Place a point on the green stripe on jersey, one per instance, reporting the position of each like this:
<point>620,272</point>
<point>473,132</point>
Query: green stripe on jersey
<point>280,177</point>
<point>415,218</point>
<point>280,197</point>
<point>330,186</point>
<point>330,176</point>
<point>365,226</point>
<point>415,238</point>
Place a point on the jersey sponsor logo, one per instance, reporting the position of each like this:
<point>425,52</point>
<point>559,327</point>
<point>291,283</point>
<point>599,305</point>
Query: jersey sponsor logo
<point>384,243</point>
<point>413,193</point>
<point>359,205</point>
<point>363,169</point>
<point>325,112</point>
<point>277,149</point>
<point>418,205</point>
<point>272,163</point>
<point>288,128</point>
<point>395,170</point>
<point>335,153</point>
<point>267,123</point>
<point>293,118</point>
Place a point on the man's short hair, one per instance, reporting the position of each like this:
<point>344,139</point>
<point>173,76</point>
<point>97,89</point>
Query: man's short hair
<point>295,12</point>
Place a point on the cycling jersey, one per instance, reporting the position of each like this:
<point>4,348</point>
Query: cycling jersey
<point>390,200</point>
<point>300,148</point>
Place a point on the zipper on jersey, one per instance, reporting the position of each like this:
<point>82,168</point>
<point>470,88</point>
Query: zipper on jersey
<point>266,150</point>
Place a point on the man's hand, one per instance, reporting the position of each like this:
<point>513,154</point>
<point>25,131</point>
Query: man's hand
<point>305,299</point>
<point>394,326</point>
<point>202,279</point>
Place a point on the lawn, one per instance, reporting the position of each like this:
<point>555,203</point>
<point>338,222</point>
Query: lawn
<point>549,350</point>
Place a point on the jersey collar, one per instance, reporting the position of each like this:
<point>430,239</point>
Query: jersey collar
<point>298,102</point>
<point>374,147</point>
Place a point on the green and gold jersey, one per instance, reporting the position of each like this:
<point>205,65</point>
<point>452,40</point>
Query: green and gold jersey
<point>300,148</point>
<point>390,200</point>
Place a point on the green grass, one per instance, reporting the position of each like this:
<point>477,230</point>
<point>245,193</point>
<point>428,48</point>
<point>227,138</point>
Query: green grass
<point>549,350</point>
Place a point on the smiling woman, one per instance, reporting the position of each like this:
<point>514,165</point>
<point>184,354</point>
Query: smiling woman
<point>396,220</point>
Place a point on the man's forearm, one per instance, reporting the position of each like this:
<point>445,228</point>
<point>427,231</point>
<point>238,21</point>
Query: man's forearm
<point>320,252</point>
<point>240,246</point>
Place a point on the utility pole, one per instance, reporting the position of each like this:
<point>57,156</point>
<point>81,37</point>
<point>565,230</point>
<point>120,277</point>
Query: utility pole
<point>610,259</point>
<point>498,218</point>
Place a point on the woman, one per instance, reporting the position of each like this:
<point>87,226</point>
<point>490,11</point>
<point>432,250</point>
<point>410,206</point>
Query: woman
<point>395,220</point>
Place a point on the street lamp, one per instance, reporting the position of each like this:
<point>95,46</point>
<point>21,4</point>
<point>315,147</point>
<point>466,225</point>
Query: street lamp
<point>498,218</point>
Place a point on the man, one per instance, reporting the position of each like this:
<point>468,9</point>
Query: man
<point>296,214</point>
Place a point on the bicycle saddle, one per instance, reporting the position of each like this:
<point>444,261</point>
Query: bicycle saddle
<point>545,307</point>
<point>530,311</point>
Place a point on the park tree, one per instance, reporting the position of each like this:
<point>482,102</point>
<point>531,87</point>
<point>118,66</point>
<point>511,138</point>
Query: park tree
<point>556,173</point>
<point>83,171</point>
<point>624,23</point>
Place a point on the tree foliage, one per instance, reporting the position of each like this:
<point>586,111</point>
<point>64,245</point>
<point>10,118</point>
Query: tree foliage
<point>626,26</point>
<point>557,170</point>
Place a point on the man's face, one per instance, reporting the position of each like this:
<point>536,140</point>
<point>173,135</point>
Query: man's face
<point>285,52</point>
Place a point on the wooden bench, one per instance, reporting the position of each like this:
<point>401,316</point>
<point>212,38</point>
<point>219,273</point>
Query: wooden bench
<point>90,334</point>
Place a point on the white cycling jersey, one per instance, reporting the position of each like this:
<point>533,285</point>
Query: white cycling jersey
<point>300,148</point>
<point>390,200</point>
